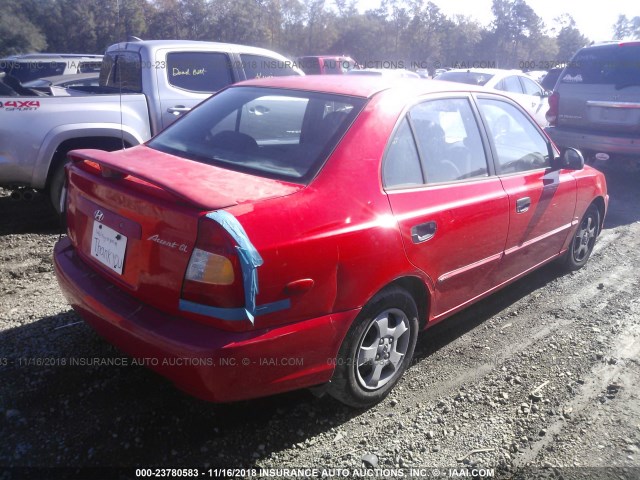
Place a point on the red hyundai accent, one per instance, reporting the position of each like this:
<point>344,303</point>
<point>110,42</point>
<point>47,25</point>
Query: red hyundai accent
<point>299,232</point>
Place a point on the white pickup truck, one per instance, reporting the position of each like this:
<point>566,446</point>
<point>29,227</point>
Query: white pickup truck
<point>144,86</point>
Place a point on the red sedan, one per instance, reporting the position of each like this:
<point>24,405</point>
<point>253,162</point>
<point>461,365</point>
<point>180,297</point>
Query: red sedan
<point>298,232</point>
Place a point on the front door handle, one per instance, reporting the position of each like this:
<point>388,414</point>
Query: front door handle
<point>523,204</point>
<point>423,232</point>
<point>178,109</point>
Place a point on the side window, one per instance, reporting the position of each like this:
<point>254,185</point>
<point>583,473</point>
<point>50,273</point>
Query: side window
<point>510,84</point>
<point>257,66</point>
<point>519,144</point>
<point>530,87</point>
<point>449,140</point>
<point>401,166</point>
<point>199,71</point>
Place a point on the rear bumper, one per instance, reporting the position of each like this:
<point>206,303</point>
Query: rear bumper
<point>611,144</point>
<point>205,361</point>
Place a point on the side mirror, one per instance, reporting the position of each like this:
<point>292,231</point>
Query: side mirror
<point>571,159</point>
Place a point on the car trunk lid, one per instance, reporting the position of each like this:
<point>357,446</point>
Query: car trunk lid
<point>134,215</point>
<point>598,108</point>
<point>604,93</point>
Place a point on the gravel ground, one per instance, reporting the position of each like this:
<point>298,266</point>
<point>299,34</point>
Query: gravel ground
<point>540,380</point>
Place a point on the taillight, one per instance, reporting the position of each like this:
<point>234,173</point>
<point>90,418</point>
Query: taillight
<point>552,113</point>
<point>214,275</point>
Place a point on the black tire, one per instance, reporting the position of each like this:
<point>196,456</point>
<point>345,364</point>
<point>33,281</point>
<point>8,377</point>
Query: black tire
<point>55,189</point>
<point>584,239</point>
<point>376,350</point>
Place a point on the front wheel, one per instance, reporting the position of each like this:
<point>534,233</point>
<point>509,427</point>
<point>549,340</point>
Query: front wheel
<point>56,189</point>
<point>584,239</point>
<point>377,349</point>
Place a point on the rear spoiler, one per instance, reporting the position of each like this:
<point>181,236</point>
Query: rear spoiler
<point>162,170</point>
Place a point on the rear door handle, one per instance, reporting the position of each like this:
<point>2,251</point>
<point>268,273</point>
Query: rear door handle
<point>523,204</point>
<point>178,109</point>
<point>423,232</point>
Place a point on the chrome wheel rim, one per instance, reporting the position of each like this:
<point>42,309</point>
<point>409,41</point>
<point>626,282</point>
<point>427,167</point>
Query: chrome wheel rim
<point>382,349</point>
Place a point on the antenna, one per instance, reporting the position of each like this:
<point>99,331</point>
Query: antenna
<point>119,78</point>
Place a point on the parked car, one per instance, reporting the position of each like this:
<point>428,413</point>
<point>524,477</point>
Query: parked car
<point>537,75</point>
<point>236,254</point>
<point>385,72</point>
<point>326,64</point>
<point>596,102</point>
<point>144,87</point>
<point>523,89</point>
<point>550,79</point>
<point>439,71</point>
<point>65,81</point>
<point>28,67</point>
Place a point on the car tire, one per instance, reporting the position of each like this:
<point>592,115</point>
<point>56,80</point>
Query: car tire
<point>376,350</point>
<point>584,239</point>
<point>56,186</point>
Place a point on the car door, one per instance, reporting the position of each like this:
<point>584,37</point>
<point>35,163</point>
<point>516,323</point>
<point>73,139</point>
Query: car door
<point>537,99</point>
<point>541,198</point>
<point>452,211</point>
<point>512,87</point>
<point>191,77</point>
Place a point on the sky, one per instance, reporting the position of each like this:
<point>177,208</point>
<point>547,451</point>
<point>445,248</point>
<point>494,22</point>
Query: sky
<point>594,19</point>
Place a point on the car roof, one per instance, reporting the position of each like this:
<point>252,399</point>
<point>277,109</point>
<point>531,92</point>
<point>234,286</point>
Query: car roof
<point>360,86</point>
<point>186,45</point>
<point>488,71</point>
<point>52,56</point>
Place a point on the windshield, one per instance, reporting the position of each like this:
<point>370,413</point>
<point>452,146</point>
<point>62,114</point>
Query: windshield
<point>612,64</point>
<point>275,133</point>
<point>471,78</point>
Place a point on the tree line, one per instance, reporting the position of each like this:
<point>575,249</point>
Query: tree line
<point>409,32</point>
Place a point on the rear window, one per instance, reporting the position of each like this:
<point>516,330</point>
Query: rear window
<point>122,70</point>
<point>471,78</point>
<point>26,71</point>
<point>612,64</point>
<point>268,132</point>
<point>90,67</point>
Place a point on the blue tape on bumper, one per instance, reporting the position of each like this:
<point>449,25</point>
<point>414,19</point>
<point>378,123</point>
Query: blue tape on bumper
<point>232,314</point>
<point>250,260</point>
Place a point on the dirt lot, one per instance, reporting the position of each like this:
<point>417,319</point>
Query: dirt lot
<point>572,340</point>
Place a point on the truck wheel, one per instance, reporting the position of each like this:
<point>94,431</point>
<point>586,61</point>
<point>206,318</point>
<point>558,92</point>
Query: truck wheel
<point>56,189</point>
<point>377,349</point>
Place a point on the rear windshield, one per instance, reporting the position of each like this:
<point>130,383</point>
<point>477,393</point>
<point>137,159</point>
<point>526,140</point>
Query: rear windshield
<point>26,70</point>
<point>618,65</point>
<point>122,70</point>
<point>273,133</point>
<point>471,78</point>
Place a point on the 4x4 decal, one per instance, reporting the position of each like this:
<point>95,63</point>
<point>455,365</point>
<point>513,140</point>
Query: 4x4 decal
<point>20,105</point>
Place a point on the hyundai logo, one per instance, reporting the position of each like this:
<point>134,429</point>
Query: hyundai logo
<point>98,215</point>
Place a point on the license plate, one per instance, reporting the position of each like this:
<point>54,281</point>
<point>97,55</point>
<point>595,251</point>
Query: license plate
<point>108,246</point>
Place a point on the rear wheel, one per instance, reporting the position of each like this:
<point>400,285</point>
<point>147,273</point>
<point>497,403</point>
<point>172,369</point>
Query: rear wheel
<point>584,239</point>
<point>377,349</point>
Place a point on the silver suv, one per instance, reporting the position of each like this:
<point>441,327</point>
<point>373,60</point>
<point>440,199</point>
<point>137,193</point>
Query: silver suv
<point>596,103</point>
<point>37,65</point>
